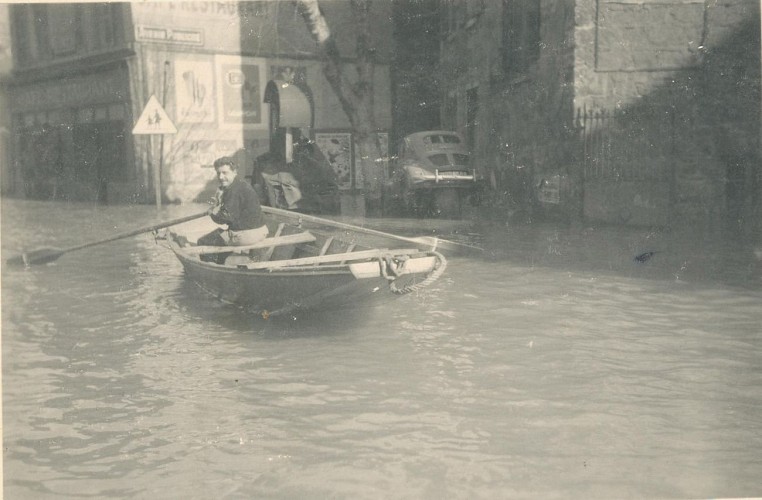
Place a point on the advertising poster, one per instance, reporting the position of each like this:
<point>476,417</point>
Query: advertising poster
<point>194,91</point>
<point>337,148</point>
<point>241,91</point>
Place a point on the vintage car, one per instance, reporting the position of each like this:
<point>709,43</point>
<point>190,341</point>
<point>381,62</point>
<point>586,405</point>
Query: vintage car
<point>431,175</point>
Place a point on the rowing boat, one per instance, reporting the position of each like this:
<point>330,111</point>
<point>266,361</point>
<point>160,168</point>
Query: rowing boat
<point>302,267</point>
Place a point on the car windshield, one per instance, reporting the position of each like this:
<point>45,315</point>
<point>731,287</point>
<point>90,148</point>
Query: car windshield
<point>460,159</point>
<point>440,160</point>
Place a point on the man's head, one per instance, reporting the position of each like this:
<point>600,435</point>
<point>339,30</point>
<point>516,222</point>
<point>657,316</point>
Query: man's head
<point>226,170</point>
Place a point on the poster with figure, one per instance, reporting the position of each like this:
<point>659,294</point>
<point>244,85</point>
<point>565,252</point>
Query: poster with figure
<point>241,86</point>
<point>337,148</point>
<point>194,91</point>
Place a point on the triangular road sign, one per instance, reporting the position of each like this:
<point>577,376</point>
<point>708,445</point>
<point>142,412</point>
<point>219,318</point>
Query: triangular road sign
<point>154,120</point>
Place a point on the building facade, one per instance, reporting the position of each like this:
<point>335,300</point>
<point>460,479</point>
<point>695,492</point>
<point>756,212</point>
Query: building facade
<point>634,112</point>
<point>82,82</point>
<point>6,63</point>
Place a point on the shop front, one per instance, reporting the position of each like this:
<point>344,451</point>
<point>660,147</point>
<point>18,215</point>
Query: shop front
<point>71,138</point>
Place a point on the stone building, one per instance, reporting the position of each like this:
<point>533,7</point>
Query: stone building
<point>84,73</point>
<point>634,111</point>
<point>6,60</point>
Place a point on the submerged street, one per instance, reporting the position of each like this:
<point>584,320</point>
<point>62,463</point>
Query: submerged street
<point>586,362</point>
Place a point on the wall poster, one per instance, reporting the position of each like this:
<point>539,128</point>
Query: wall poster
<point>337,148</point>
<point>241,86</point>
<point>194,91</point>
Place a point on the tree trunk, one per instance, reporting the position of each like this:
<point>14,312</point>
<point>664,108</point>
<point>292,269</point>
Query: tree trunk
<point>355,95</point>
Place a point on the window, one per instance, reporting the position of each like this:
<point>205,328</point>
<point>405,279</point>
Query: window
<point>521,35</point>
<point>40,19</point>
<point>22,45</point>
<point>460,159</point>
<point>440,160</point>
<point>107,25</point>
<point>64,32</point>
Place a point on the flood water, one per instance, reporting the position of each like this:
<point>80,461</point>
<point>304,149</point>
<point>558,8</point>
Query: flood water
<point>555,366</point>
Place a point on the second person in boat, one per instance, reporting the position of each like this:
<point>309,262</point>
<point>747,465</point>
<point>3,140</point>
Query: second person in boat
<point>237,206</point>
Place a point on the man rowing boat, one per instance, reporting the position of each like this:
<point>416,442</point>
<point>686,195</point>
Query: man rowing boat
<point>237,206</point>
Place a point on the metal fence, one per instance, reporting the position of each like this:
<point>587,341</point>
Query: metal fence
<point>626,145</point>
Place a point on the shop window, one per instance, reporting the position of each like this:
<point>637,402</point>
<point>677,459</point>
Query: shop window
<point>521,35</point>
<point>85,115</point>
<point>101,114</point>
<point>116,112</point>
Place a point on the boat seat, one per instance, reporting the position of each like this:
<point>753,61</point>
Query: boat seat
<point>276,241</point>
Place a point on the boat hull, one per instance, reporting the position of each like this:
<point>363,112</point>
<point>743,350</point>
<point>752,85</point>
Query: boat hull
<point>273,293</point>
<point>288,289</point>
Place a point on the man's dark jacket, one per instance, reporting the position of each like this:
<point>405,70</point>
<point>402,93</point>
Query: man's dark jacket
<point>240,207</point>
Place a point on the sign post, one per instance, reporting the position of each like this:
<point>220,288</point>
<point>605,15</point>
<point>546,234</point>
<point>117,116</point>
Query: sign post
<point>155,121</point>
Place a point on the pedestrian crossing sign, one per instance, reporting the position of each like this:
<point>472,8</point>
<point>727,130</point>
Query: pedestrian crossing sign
<point>154,120</point>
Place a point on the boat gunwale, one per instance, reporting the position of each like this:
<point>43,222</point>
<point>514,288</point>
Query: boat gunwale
<point>311,270</point>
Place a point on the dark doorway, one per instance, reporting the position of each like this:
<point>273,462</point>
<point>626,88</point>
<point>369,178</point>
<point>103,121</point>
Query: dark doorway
<point>99,153</point>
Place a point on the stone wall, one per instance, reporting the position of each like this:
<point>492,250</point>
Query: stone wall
<point>697,61</point>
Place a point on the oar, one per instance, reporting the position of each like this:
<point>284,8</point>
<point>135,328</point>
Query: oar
<point>45,255</point>
<point>429,241</point>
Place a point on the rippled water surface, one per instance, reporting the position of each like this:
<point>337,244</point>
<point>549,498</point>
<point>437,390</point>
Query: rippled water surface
<point>553,367</point>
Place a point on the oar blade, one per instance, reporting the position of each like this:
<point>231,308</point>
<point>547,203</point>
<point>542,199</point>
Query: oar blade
<point>449,246</point>
<point>35,257</point>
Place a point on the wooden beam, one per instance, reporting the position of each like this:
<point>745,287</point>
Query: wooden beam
<point>269,252</point>
<point>326,245</point>
<point>291,239</point>
<point>349,249</point>
<point>332,258</point>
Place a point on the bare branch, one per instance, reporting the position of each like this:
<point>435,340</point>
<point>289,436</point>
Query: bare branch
<point>329,51</point>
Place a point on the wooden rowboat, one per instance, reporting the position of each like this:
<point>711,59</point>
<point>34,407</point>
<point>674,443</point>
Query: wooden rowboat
<point>299,268</point>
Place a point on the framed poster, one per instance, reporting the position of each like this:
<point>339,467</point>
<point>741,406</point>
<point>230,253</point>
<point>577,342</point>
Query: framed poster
<point>240,92</point>
<point>194,90</point>
<point>337,148</point>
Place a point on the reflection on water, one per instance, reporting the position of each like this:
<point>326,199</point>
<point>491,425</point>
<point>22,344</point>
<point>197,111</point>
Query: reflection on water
<point>554,367</point>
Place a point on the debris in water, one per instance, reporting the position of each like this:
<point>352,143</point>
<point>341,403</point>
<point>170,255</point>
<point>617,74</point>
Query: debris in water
<point>644,257</point>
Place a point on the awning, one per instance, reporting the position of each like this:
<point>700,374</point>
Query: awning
<point>292,105</point>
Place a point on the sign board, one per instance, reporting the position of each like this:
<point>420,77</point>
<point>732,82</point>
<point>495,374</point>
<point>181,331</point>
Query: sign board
<point>170,35</point>
<point>154,120</point>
